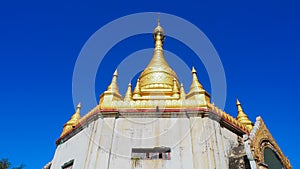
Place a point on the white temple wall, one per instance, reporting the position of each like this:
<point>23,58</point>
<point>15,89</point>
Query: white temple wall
<point>195,142</point>
<point>75,148</point>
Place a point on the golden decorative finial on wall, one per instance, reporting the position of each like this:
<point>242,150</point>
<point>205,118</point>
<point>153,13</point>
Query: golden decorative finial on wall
<point>74,120</point>
<point>182,92</point>
<point>128,95</point>
<point>112,93</point>
<point>242,117</point>
<point>136,92</point>
<point>175,89</point>
<point>113,85</point>
<point>195,83</point>
<point>197,92</point>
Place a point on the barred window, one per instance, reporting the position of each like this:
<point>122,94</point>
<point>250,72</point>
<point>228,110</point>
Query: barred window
<point>151,153</point>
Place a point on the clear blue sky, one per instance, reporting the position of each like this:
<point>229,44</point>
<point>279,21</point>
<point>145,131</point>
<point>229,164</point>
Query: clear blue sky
<point>257,41</point>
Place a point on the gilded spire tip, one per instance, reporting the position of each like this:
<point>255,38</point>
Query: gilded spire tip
<point>240,109</point>
<point>158,19</point>
<point>158,32</point>
<point>194,70</point>
<point>195,82</point>
<point>113,87</point>
<point>78,105</point>
<point>115,73</point>
<point>238,102</point>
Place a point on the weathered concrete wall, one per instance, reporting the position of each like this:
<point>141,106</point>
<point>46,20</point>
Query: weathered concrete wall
<point>75,148</point>
<point>195,142</point>
<point>148,133</point>
<point>211,143</point>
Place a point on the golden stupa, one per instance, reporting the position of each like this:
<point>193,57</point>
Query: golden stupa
<point>158,94</point>
<point>157,86</point>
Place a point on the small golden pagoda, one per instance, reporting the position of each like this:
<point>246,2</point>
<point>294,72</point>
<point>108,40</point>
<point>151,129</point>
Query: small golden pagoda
<point>74,120</point>
<point>242,117</point>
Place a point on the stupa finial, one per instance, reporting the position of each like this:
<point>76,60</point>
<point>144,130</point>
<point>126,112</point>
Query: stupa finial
<point>242,117</point>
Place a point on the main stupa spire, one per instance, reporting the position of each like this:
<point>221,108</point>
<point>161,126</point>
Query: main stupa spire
<point>158,79</point>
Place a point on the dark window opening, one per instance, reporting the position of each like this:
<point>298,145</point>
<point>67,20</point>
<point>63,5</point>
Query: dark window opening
<point>151,153</point>
<point>272,159</point>
<point>160,156</point>
<point>68,165</point>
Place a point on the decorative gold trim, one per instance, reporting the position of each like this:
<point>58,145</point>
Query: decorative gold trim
<point>228,117</point>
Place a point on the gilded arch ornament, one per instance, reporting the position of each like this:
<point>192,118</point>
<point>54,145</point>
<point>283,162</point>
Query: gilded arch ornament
<point>261,139</point>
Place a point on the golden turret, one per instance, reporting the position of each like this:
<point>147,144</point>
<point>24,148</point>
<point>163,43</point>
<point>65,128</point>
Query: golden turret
<point>112,92</point>
<point>74,120</point>
<point>175,89</point>
<point>196,86</point>
<point>136,92</point>
<point>182,92</point>
<point>128,94</point>
<point>197,92</point>
<point>113,87</point>
<point>242,117</point>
